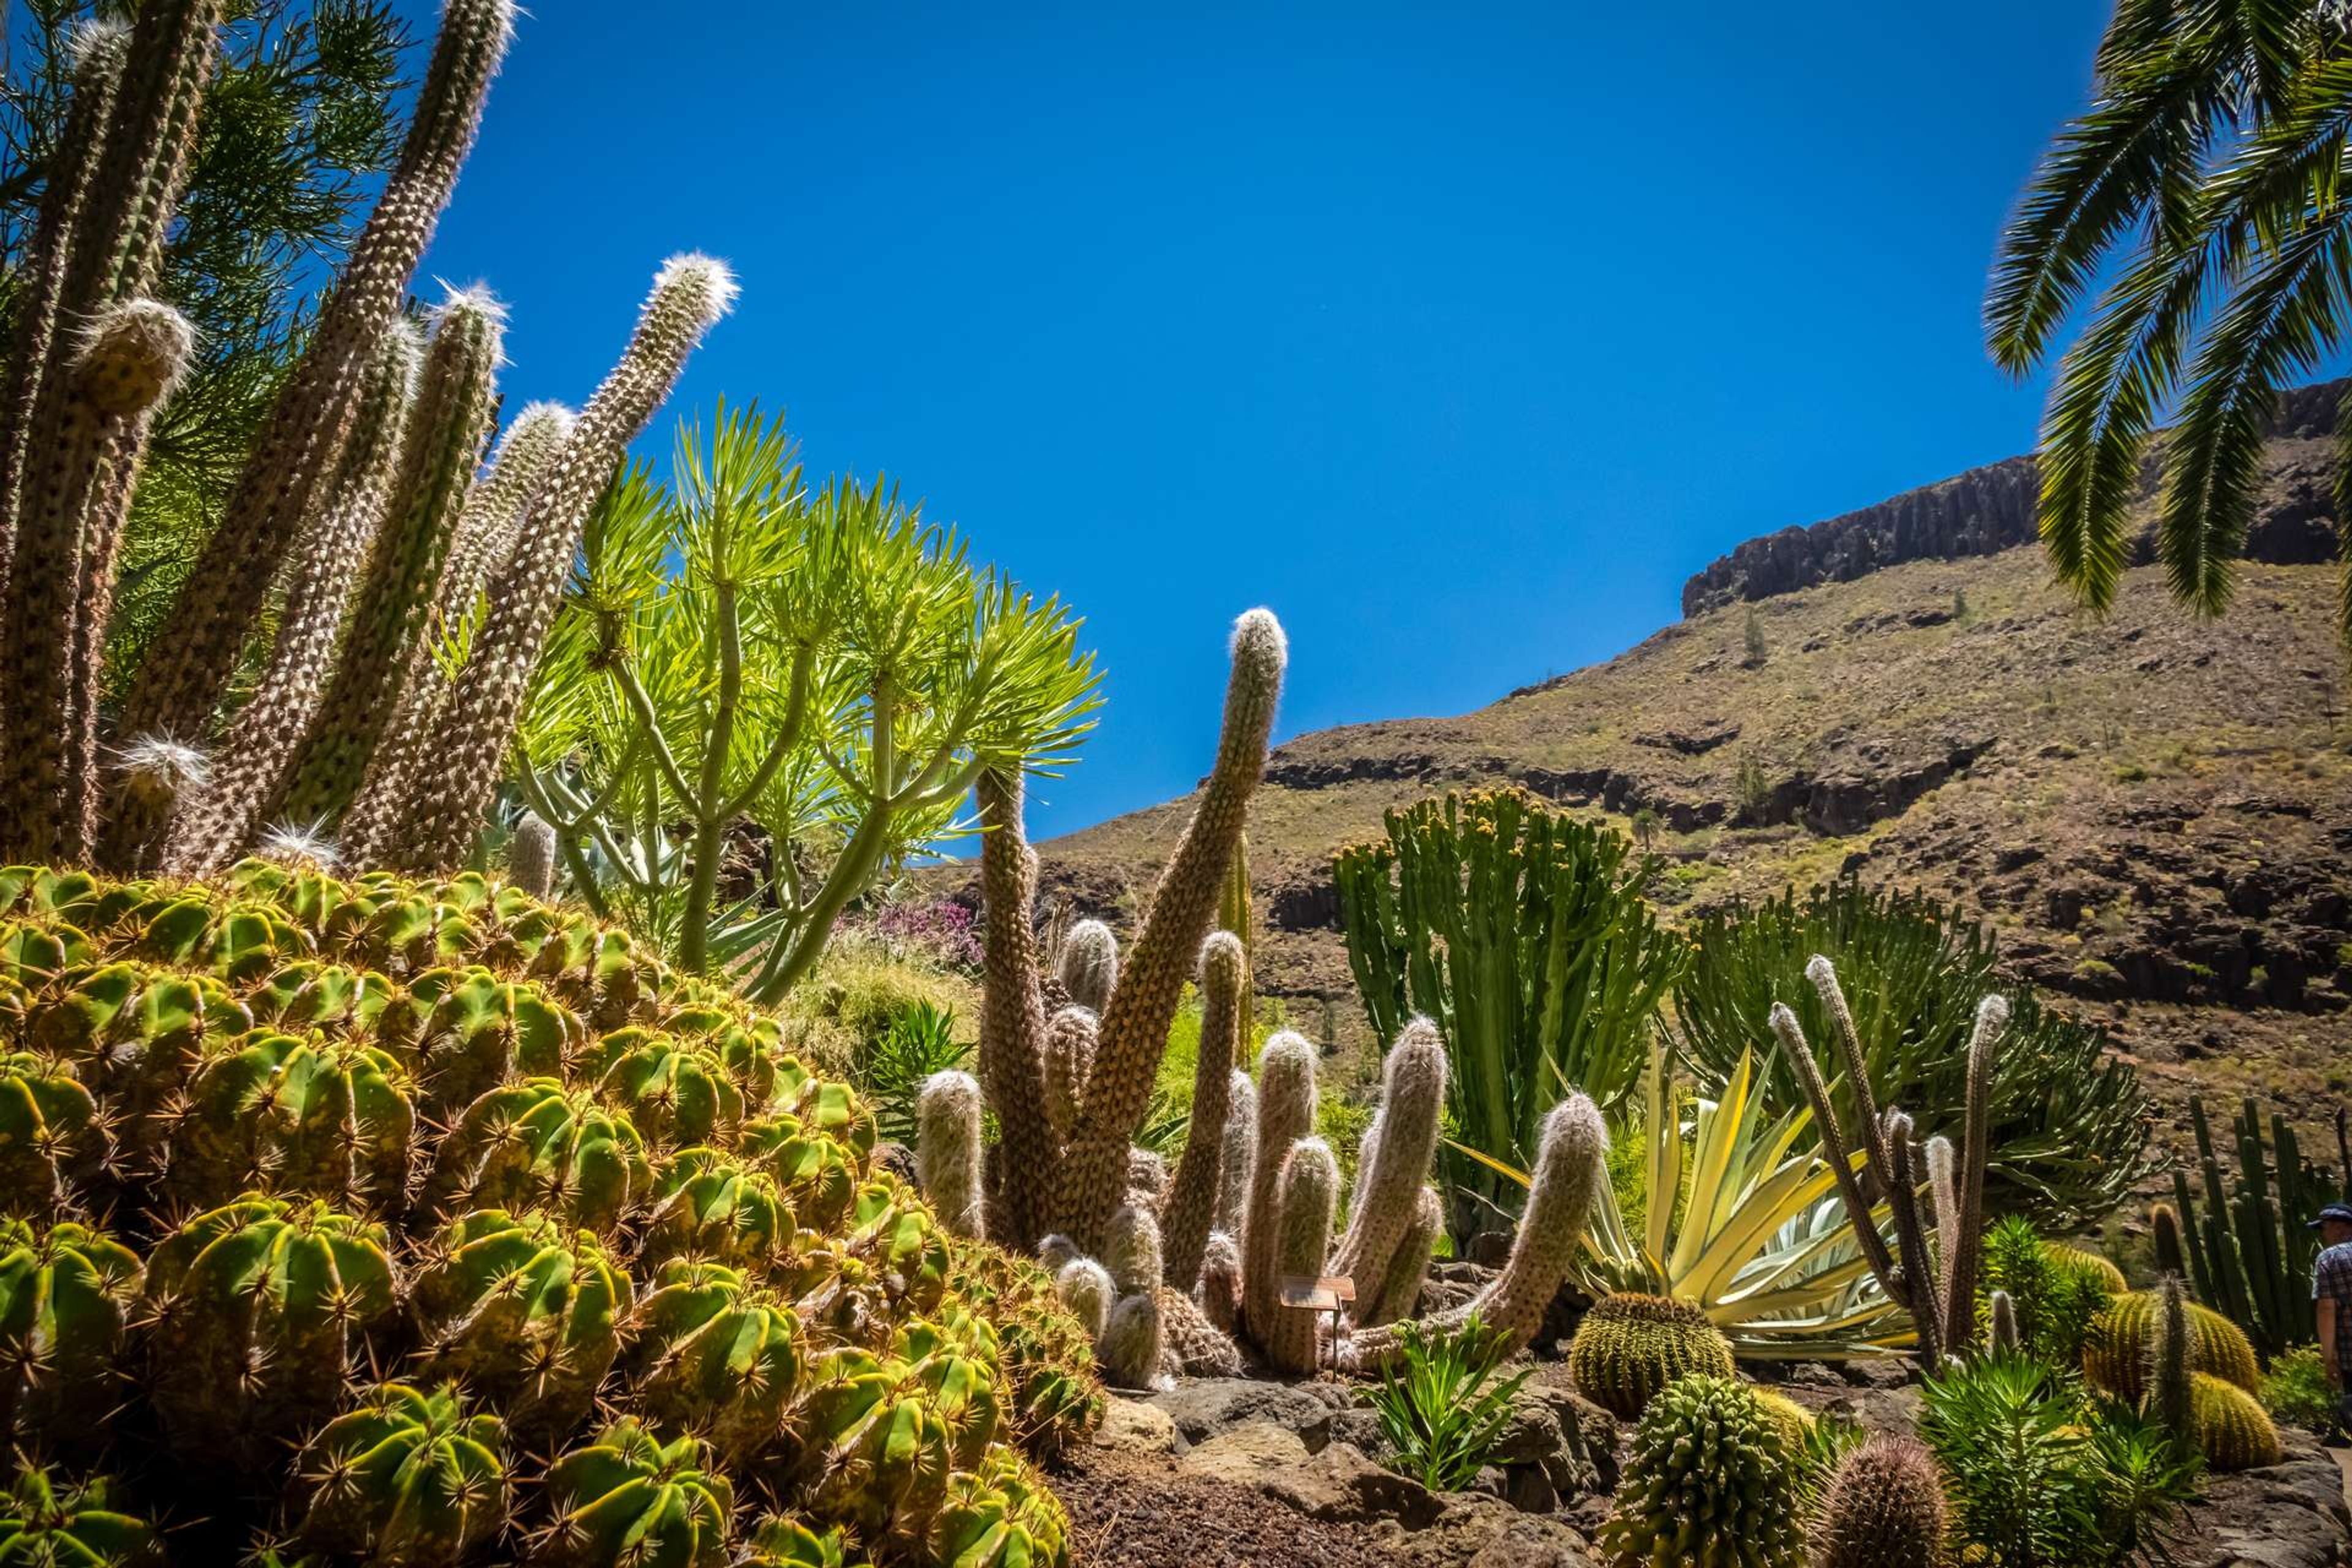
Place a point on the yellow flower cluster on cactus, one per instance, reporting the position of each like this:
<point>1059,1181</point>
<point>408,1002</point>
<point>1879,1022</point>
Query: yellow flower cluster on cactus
<point>425,1223</point>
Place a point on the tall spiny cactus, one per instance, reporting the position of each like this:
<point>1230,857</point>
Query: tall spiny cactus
<point>99,50</point>
<point>1285,1113</point>
<point>248,770</point>
<point>109,356</point>
<point>2164,1237</point>
<point>1940,1300</point>
<point>1398,1291</point>
<point>1391,1168</point>
<point>690,294</point>
<point>1192,1197</point>
<point>1134,1033</point>
<point>530,856</point>
<point>1308,1195</point>
<point>2169,1369</point>
<point>1238,1154</point>
<point>1088,965</point>
<point>485,544</point>
<point>1570,1165</point>
<point>1069,1056</point>
<point>296,451</point>
<point>456,406</point>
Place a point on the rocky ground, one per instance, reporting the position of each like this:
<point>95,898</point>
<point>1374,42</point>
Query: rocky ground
<point>1232,1472</point>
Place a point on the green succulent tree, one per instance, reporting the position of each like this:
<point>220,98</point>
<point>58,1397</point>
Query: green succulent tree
<point>819,662</point>
<point>1524,935</point>
<point>2199,196</point>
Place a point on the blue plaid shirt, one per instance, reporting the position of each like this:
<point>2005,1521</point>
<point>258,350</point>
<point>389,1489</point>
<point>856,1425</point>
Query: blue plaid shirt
<point>2331,1279</point>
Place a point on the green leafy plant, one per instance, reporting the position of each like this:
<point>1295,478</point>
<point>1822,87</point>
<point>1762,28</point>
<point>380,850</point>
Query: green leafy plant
<point>1524,934</point>
<point>2044,1477</point>
<point>2296,1389</point>
<point>1442,1408</point>
<point>820,662</point>
<point>2069,1119</point>
<point>919,1042</point>
<point>2055,1299</point>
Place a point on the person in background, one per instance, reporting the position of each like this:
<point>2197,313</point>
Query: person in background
<point>2331,1292</point>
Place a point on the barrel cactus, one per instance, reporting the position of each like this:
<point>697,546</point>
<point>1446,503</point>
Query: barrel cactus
<point>1883,1508</point>
<point>1629,1346</point>
<point>1709,1485</point>
<point>2232,1429</point>
<point>2119,1349</point>
<point>632,1271</point>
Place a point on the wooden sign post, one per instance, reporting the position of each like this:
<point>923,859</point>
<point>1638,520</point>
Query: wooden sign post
<point>1328,1293</point>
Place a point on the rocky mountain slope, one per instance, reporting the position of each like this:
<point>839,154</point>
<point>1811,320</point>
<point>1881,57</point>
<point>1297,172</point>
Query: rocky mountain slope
<point>2156,814</point>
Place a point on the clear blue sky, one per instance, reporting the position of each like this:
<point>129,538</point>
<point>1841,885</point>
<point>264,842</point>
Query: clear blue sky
<point>1460,338</point>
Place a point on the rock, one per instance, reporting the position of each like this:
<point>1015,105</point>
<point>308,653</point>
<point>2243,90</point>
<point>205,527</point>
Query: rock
<point>1203,1408</point>
<point>1530,1490</point>
<point>2290,1515</point>
<point>1481,1532</point>
<point>1339,1485</point>
<point>1133,1427</point>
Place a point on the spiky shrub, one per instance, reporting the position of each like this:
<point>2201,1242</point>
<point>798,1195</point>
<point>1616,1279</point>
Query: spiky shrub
<point>1883,1508</point>
<point>1709,1484</point>
<point>829,1349</point>
<point>1629,1347</point>
<point>2295,1388</point>
<point>2055,1292</point>
<point>2067,1115</point>
<point>2120,1347</point>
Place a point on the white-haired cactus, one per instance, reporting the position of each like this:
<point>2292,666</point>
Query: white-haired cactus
<point>1134,1034</point>
<point>1570,1165</point>
<point>1391,1167</point>
<point>1219,1289</point>
<point>1397,1291</point>
<point>1939,1293</point>
<point>1132,1342</point>
<point>1237,1153</point>
<point>530,856</point>
<point>2003,1335</point>
<point>295,453</point>
<point>1192,1197</point>
<point>1309,1198</point>
<point>948,1150</point>
<point>1131,1250</point>
<point>1085,1288</point>
<point>1285,1113</point>
<point>690,294</point>
<point>1069,1057</point>
<point>1088,965</point>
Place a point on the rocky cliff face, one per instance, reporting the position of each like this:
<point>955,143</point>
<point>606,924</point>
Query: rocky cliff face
<point>1993,508</point>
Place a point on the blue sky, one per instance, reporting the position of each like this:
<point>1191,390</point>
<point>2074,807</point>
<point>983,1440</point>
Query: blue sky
<point>1459,336</point>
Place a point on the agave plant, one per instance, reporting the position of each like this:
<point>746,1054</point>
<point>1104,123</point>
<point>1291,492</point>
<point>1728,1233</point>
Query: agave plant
<point>1744,1222</point>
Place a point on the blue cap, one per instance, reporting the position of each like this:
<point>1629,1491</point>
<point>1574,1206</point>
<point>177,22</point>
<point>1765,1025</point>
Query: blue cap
<point>2333,1211</point>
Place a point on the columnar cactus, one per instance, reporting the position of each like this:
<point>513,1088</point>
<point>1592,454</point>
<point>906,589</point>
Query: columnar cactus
<point>690,294</point>
<point>1631,1346</point>
<point>2164,1233</point>
<point>1237,1153</point>
<point>2004,1336</point>
<point>1709,1484</point>
<point>1086,1290</point>
<point>1397,1292</point>
<point>309,422</point>
<point>1308,1197</point>
<point>1132,1342</point>
<point>1883,1508</point>
<point>1390,1167</point>
<point>947,1151</point>
<point>1569,1167</point>
<point>1088,965</point>
<point>1285,1114</point>
<point>1938,1292</point>
<point>1134,1034</point>
<point>1069,1057</point>
<point>1131,1250</point>
<point>2168,1395</point>
<point>409,1476</point>
<point>530,856</point>
<point>1193,1198</point>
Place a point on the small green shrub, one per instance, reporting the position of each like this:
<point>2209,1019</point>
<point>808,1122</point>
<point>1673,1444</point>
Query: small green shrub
<point>921,1041</point>
<point>1444,1412</point>
<point>2055,1301</point>
<point>2044,1477</point>
<point>2296,1389</point>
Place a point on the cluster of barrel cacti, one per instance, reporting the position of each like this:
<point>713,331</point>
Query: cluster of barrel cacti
<point>420,1222</point>
<point>364,494</point>
<point>2192,1369</point>
<point>1185,1271</point>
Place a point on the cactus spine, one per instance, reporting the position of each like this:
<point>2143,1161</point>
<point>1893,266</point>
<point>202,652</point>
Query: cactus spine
<point>1193,1198</point>
<point>1134,1034</point>
<point>1883,1508</point>
<point>248,771</point>
<point>947,1151</point>
<point>1132,1251</point>
<point>629,1496</point>
<point>690,294</point>
<point>1309,1196</point>
<point>66,1295</point>
<point>300,440</point>
<point>2232,1429</point>
<point>1708,1484</point>
<point>1390,1169</point>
